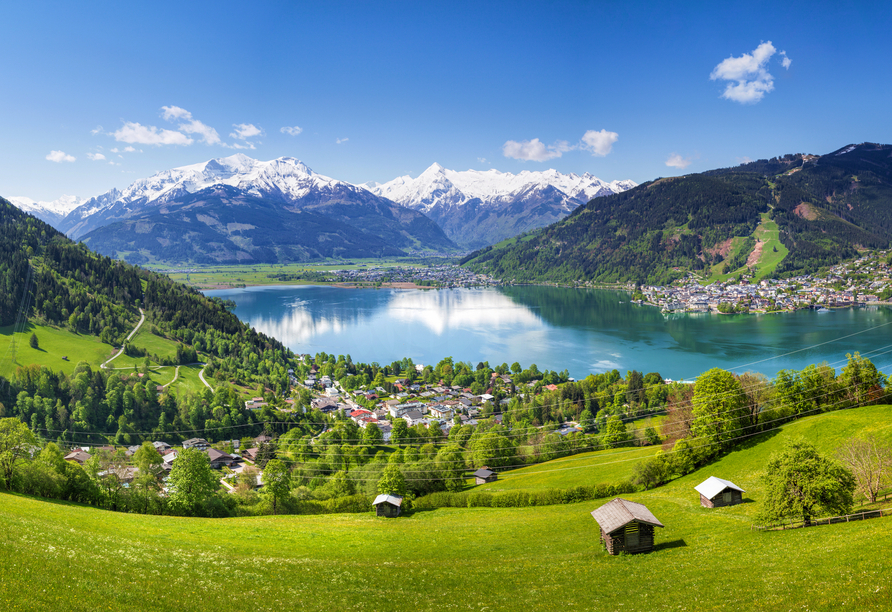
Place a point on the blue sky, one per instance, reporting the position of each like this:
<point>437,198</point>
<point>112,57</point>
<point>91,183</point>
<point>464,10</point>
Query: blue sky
<point>378,90</point>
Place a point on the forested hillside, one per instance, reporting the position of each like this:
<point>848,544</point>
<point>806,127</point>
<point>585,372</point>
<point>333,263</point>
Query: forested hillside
<point>49,281</point>
<point>825,208</point>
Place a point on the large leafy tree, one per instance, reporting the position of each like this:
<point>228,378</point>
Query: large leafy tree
<point>192,481</point>
<point>801,483</point>
<point>492,450</point>
<point>17,444</point>
<point>148,460</point>
<point>392,481</point>
<point>276,482</point>
<point>719,410</point>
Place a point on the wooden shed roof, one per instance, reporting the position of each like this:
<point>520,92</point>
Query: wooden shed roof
<point>483,473</point>
<point>619,512</point>
<point>712,486</point>
<point>395,500</point>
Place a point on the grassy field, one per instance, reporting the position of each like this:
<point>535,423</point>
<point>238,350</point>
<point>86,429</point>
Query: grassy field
<point>54,343</point>
<point>62,557</point>
<point>773,252</point>
<point>599,467</point>
<point>259,274</point>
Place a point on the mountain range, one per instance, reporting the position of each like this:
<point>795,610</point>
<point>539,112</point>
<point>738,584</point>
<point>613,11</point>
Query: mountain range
<point>476,208</point>
<point>772,217</point>
<point>473,208</point>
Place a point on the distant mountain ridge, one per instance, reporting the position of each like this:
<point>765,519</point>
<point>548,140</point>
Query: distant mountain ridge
<point>480,207</point>
<point>783,216</point>
<point>48,212</point>
<point>351,221</point>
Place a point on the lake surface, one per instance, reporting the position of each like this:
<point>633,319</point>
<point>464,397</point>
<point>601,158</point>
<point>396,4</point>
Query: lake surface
<point>582,331</point>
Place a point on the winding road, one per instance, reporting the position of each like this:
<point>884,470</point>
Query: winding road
<point>142,319</point>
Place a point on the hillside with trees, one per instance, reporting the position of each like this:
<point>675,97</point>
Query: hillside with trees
<point>50,282</point>
<point>826,208</point>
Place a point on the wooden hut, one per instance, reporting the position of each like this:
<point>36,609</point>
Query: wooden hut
<point>716,492</point>
<point>626,526</point>
<point>388,505</point>
<point>484,475</point>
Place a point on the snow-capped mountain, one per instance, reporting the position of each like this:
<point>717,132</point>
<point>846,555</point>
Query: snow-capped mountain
<point>477,208</point>
<point>247,204</point>
<point>50,212</point>
<point>285,179</point>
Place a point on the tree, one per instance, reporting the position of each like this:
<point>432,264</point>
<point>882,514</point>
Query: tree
<point>392,481</point>
<point>400,431</point>
<point>192,481</point>
<point>719,409</point>
<point>17,443</point>
<point>801,483</point>
<point>33,341</point>
<point>870,460</point>
<point>276,481</point>
<point>148,460</point>
<point>587,421</point>
<point>371,435</point>
<point>615,433</point>
<point>450,462</point>
<point>862,382</point>
<point>492,450</point>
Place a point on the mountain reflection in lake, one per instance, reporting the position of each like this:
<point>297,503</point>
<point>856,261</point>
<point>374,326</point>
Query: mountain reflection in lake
<point>583,331</point>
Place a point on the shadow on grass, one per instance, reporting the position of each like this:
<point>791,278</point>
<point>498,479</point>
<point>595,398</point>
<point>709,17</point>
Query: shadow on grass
<point>679,543</point>
<point>756,440</point>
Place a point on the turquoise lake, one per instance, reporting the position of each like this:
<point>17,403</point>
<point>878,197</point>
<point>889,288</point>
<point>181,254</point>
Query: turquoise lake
<point>582,331</point>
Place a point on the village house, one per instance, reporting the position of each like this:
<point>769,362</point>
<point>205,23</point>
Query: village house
<point>78,456</point>
<point>716,492</point>
<point>626,526</point>
<point>199,443</point>
<point>219,459</point>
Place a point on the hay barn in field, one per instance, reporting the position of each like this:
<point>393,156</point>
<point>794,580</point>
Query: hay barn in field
<point>484,475</point>
<point>626,526</point>
<point>716,492</point>
<point>388,506</point>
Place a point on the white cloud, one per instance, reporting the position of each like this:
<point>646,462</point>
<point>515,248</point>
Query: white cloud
<point>533,150</point>
<point>136,133</point>
<point>677,161</point>
<point>190,125</point>
<point>59,157</point>
<point>599,143</point>
<point>174,113</point>
<point>743,160</point>
<point>96,156</point>
<point>292,130</point>
<point>482,160</point>
<point>243,131</point>
<point>111,163</point>
<point>208,134</point>
<point>247,145</point>
<point>341,140</point>
<point>786,61</point>
<point>115,150</point>
<point>129,149</point>
<point>97,130</point>
<point>749,76</point>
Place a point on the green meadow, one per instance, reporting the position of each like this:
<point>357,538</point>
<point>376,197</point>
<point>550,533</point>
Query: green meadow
<point>53,344</point>
<point>59,556</point>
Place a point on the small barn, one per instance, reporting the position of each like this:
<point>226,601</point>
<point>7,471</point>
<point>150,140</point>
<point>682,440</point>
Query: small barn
<point>716,492</point>
<point>626,526</point>
<point>388,506</point>
<point>484,475</point>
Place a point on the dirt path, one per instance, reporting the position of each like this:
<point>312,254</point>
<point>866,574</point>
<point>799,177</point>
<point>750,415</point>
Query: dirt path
<point>176,375</point>
<point>142,319</point>
<point>201,376</point>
